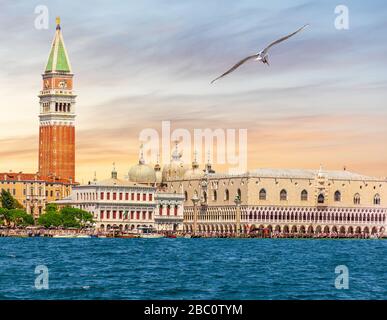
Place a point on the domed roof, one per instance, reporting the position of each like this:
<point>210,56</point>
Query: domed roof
<point>173,171</point>
<point>176,169</point>
<point>159,176</point>
<point>142,173</point>
<point>194,172</point>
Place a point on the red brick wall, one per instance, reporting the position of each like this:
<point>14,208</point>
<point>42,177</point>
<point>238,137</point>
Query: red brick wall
<point>62,162</point>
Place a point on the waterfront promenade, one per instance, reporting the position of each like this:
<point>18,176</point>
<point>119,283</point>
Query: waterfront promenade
<point>44,232</point>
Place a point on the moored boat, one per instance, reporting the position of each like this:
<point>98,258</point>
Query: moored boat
<point>64,236</point>
<point>146,233</point>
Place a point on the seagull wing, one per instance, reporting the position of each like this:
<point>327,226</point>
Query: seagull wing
<point>235,66</point>
<point>264,51</point>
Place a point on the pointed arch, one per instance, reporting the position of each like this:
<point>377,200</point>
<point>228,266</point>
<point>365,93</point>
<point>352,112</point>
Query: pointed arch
<point>337,196</point>
<point>262,194</point>
<point>283,195</point>
<point>377,199</point>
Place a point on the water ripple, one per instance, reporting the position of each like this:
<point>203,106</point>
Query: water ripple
<point>192,268</point>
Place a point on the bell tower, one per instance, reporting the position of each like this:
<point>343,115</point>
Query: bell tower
<point>57,114</point>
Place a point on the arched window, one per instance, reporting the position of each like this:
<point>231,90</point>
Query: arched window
<point>239,194</point>
<point>337,196</point>
<point>320,198</point>
<point>262,194</point>
<point>356,198</point>
<point>214,196</point>
<point>377,199</point>
<point>283,195</point>
<point>226,195</point>
<point>304,195</point>
<point>185,196</point>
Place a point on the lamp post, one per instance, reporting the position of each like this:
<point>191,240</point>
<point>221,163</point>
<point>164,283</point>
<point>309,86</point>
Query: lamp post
<point>238,215</point>
<point>195,201</point>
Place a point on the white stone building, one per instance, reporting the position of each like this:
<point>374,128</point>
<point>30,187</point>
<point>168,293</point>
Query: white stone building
<point>124,205</point>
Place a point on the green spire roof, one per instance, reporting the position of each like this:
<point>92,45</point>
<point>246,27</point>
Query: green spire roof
<point>58,60</point>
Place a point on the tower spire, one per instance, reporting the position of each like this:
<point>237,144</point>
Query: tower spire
<point>57,114</point>
<point>57,20</point>
<point>141,160</point>
<point>58,60</point>
<point>114,171</point>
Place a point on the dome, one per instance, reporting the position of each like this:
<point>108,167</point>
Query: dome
<point>142,173</point>
<point>173,171</point>
<point>157,169</point>
<point>194,172</point>
<point>176,169</point>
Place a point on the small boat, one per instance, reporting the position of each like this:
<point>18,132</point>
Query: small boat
<point>187,236</point>
<point>64,236</point>
<point>151,235</point>
<point>146,233</point>
<point>127,236</point>
<point>83,236</point>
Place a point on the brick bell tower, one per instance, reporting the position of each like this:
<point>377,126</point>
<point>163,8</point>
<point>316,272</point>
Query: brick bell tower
<point>57,102</point>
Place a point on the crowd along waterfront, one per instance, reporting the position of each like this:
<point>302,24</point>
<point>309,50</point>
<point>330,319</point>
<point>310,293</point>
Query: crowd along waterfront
<point>192,268</point>
<point>147,232</point>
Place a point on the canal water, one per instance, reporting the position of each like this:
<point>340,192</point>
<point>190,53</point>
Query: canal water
<point>192,268</point>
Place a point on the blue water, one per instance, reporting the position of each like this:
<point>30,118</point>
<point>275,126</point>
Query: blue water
<point>192,268</point>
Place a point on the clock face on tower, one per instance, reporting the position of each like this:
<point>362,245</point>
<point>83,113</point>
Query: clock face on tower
<point>62,84</point>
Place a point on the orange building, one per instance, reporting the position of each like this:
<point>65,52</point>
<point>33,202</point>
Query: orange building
<point>33,192</point>
<point>57,115</point>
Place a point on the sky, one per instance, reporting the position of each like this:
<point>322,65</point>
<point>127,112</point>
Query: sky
<point>137,63</point>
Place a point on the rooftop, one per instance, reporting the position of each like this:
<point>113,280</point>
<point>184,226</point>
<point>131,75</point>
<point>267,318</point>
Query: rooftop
<point>58,60</point>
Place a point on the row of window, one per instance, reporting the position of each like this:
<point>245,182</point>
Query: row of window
<point>320,198</point>
<point>115,196</point>
<point>134,215</point>
<point>284,196</point>
<point>317,217</point>
<point>32,192</point>
<point>168,210</point>
<point>215,195</point>
<point>65,107</point>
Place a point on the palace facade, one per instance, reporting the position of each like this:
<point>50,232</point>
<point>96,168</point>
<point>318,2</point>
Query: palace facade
<point>201,201</point>
<point>279,200</point>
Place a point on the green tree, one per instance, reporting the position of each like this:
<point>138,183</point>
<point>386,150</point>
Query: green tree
<point>74,217</point>
<point>4,216</point>
<point>50,219</point>
<point>20,217</point>
<point>8,201</point>
<point>51,207</point>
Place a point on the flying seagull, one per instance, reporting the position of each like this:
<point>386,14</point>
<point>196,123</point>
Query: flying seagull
<point>260,56</point>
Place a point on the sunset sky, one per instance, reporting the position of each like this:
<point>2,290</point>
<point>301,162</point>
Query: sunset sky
<point>136,63</point>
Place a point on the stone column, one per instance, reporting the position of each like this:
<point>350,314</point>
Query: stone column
<point>195,201</point>
<point>238,215</point>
